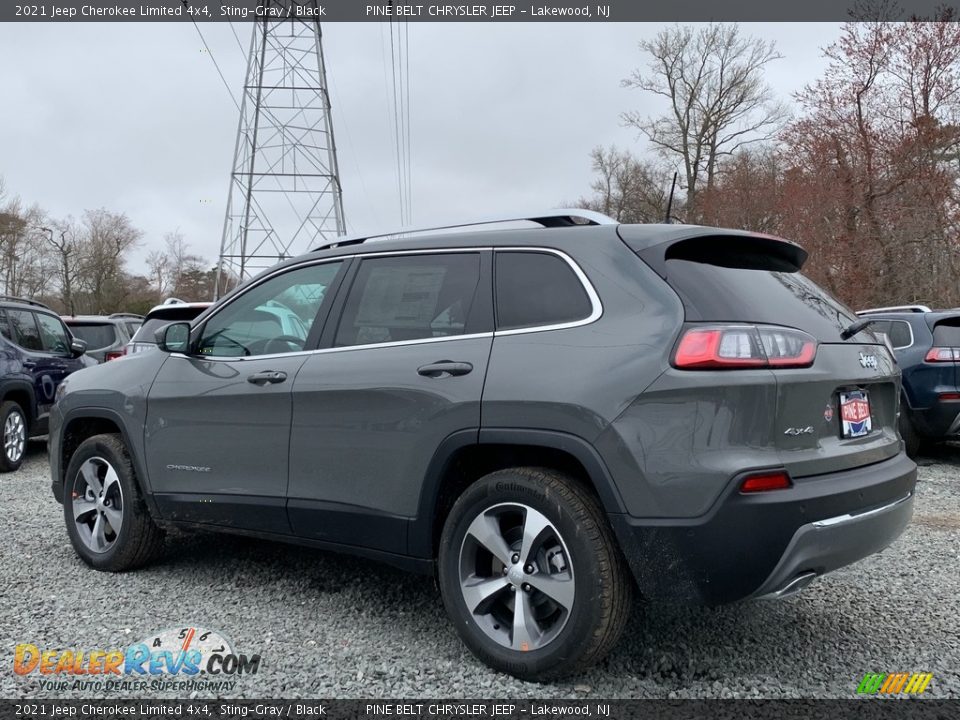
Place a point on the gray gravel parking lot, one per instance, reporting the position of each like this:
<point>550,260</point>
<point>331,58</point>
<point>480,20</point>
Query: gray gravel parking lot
<point>333,626</point>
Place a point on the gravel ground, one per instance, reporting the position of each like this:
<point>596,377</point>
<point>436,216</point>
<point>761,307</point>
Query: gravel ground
<point>329,626</point>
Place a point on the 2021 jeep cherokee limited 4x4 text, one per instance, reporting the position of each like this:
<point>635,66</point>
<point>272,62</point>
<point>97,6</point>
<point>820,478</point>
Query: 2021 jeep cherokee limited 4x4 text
<point>547,418</point>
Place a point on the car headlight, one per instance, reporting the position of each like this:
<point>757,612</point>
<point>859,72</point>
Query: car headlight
<point>61,391</point>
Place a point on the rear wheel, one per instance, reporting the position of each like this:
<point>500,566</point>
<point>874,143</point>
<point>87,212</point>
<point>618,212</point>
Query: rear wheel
<point>108,523</point>
<point>531,576</point>
<point>14,423</point>
<point>912,442</point>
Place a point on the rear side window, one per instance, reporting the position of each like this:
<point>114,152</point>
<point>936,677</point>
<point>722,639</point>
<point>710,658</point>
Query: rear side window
<point>900,334</point>
<point>23,327</point>
<point>536,289</point>
<point>410,297</point>
<point>96,335</point>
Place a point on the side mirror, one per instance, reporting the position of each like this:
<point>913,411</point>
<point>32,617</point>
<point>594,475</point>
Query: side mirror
<point>174,337</point>
<point>77,347</point>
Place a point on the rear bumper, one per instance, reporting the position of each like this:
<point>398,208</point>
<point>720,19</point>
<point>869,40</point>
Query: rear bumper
<point>770,544</point>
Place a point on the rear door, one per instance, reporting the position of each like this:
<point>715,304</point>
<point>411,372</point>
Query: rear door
<point>401,371</point>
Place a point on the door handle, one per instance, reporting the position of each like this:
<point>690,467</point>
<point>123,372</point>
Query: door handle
<point>444,368</point>
<point>267,377</point>
<point>30,364</point>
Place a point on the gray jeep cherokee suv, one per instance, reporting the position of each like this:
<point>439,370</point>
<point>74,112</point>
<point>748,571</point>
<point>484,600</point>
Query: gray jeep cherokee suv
<point>547,418</point>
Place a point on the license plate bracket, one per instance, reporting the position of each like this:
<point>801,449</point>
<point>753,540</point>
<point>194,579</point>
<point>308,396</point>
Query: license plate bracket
<point>855,417</point>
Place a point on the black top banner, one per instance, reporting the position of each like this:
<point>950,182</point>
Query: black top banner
<point>489,12</point>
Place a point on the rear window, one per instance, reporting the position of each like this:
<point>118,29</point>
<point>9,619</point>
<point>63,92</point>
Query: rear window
<point>96,335</point>
<point>726,283</point>
<point>946,333</point>
<point>147,331</point>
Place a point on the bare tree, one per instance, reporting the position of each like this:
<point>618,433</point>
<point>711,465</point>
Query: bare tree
<point>719,102</point>
<point>627,189</point>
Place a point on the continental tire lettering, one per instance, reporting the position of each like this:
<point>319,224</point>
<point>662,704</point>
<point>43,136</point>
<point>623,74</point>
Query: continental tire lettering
<point>518,488</point>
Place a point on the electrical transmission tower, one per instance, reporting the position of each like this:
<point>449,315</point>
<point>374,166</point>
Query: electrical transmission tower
<point>285,194</point>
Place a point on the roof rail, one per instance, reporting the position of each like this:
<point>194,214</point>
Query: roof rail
<point>552,218</point>
<point>25,301</point>
<point>125,315</point>
<point>895,308</point>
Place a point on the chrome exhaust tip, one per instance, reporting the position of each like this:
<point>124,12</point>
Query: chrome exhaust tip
<point>792,587</point>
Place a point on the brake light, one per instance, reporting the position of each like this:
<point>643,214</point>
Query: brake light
<point>764,482</point>
<point>942,354</point>
<point>114,355</point>
<point>744,346</point>
<point>950,396</point>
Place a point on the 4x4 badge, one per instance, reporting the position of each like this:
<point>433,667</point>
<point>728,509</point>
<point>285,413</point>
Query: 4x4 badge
<point>868,361</point>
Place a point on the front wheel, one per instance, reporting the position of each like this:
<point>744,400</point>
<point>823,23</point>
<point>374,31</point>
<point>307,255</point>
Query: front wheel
<point>531,576</point>
<point>14,424</point>
<point>108,523</point>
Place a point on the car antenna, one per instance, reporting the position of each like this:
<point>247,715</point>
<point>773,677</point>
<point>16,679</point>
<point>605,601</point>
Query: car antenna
<point>673,185</point>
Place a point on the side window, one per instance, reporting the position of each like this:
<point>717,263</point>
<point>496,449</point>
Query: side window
<point>409,297</point>
<point>24,329</point>
<point>900,334</point>
<point>53,335</point>
<point>5,325</point>
<point>537,289</point>
<point>274,317</point>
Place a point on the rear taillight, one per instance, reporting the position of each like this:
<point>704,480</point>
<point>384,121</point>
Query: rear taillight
<point>766,481</point>
<point>722,347</point>
<point>942,354</point>
<point>114,355</point>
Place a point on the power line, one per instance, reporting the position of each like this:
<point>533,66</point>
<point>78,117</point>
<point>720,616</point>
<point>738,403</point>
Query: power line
<point>215,64</point>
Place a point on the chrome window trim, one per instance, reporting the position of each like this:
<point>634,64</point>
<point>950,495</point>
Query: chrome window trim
<point>596,307</point>
<point>595,304</point>
<point>910,327</point>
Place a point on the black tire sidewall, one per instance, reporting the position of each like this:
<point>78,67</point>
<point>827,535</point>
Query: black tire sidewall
<point>95,447</point>
<point>565,650</point>
<point>9,408</point>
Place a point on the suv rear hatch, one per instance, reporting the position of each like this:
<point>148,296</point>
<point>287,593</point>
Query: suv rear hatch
<point>836,409</point>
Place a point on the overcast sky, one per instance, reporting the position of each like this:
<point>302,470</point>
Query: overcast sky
<point>133,117</point>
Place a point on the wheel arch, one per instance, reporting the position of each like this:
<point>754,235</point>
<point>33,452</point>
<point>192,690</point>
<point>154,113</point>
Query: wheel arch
<point>85,423</point>
<point>21,392</point>
<point>466,456</point>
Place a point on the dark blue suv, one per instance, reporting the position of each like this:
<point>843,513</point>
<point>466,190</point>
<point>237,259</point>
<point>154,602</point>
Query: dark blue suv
<point>927,346</point>
<point>36,353</point>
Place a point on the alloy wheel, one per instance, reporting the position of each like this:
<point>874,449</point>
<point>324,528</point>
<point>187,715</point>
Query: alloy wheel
<point>14,437</point>
<point>516,576</point>
<point>97,504</point>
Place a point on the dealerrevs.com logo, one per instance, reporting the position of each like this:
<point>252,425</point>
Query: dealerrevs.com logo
<point>189,658</point>
<point>894,683</point>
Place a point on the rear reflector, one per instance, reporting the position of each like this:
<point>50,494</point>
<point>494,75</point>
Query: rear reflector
<point>762,482</point>
<point>950,396</point>
<point>727,347</point>
<point>942,354</point>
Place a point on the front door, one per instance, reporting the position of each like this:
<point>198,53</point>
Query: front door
<point>218,418</point>
<point>402,371</point>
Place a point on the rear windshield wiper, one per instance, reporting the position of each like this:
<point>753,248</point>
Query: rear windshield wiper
<point>857,326</point>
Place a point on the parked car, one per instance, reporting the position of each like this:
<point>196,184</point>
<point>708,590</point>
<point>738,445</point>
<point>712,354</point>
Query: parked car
<point>36,353</point>
<point>927,346</point>
<point>534,415</point>
<point>145,336</point>
<point>132,321</point>
<point>106,336</point>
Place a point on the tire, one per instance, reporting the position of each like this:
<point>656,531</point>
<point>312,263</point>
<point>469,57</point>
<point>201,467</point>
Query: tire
<point>912,442</point>
<point>13,422</point>
<point>91,496</point>
<point>574,550</point>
